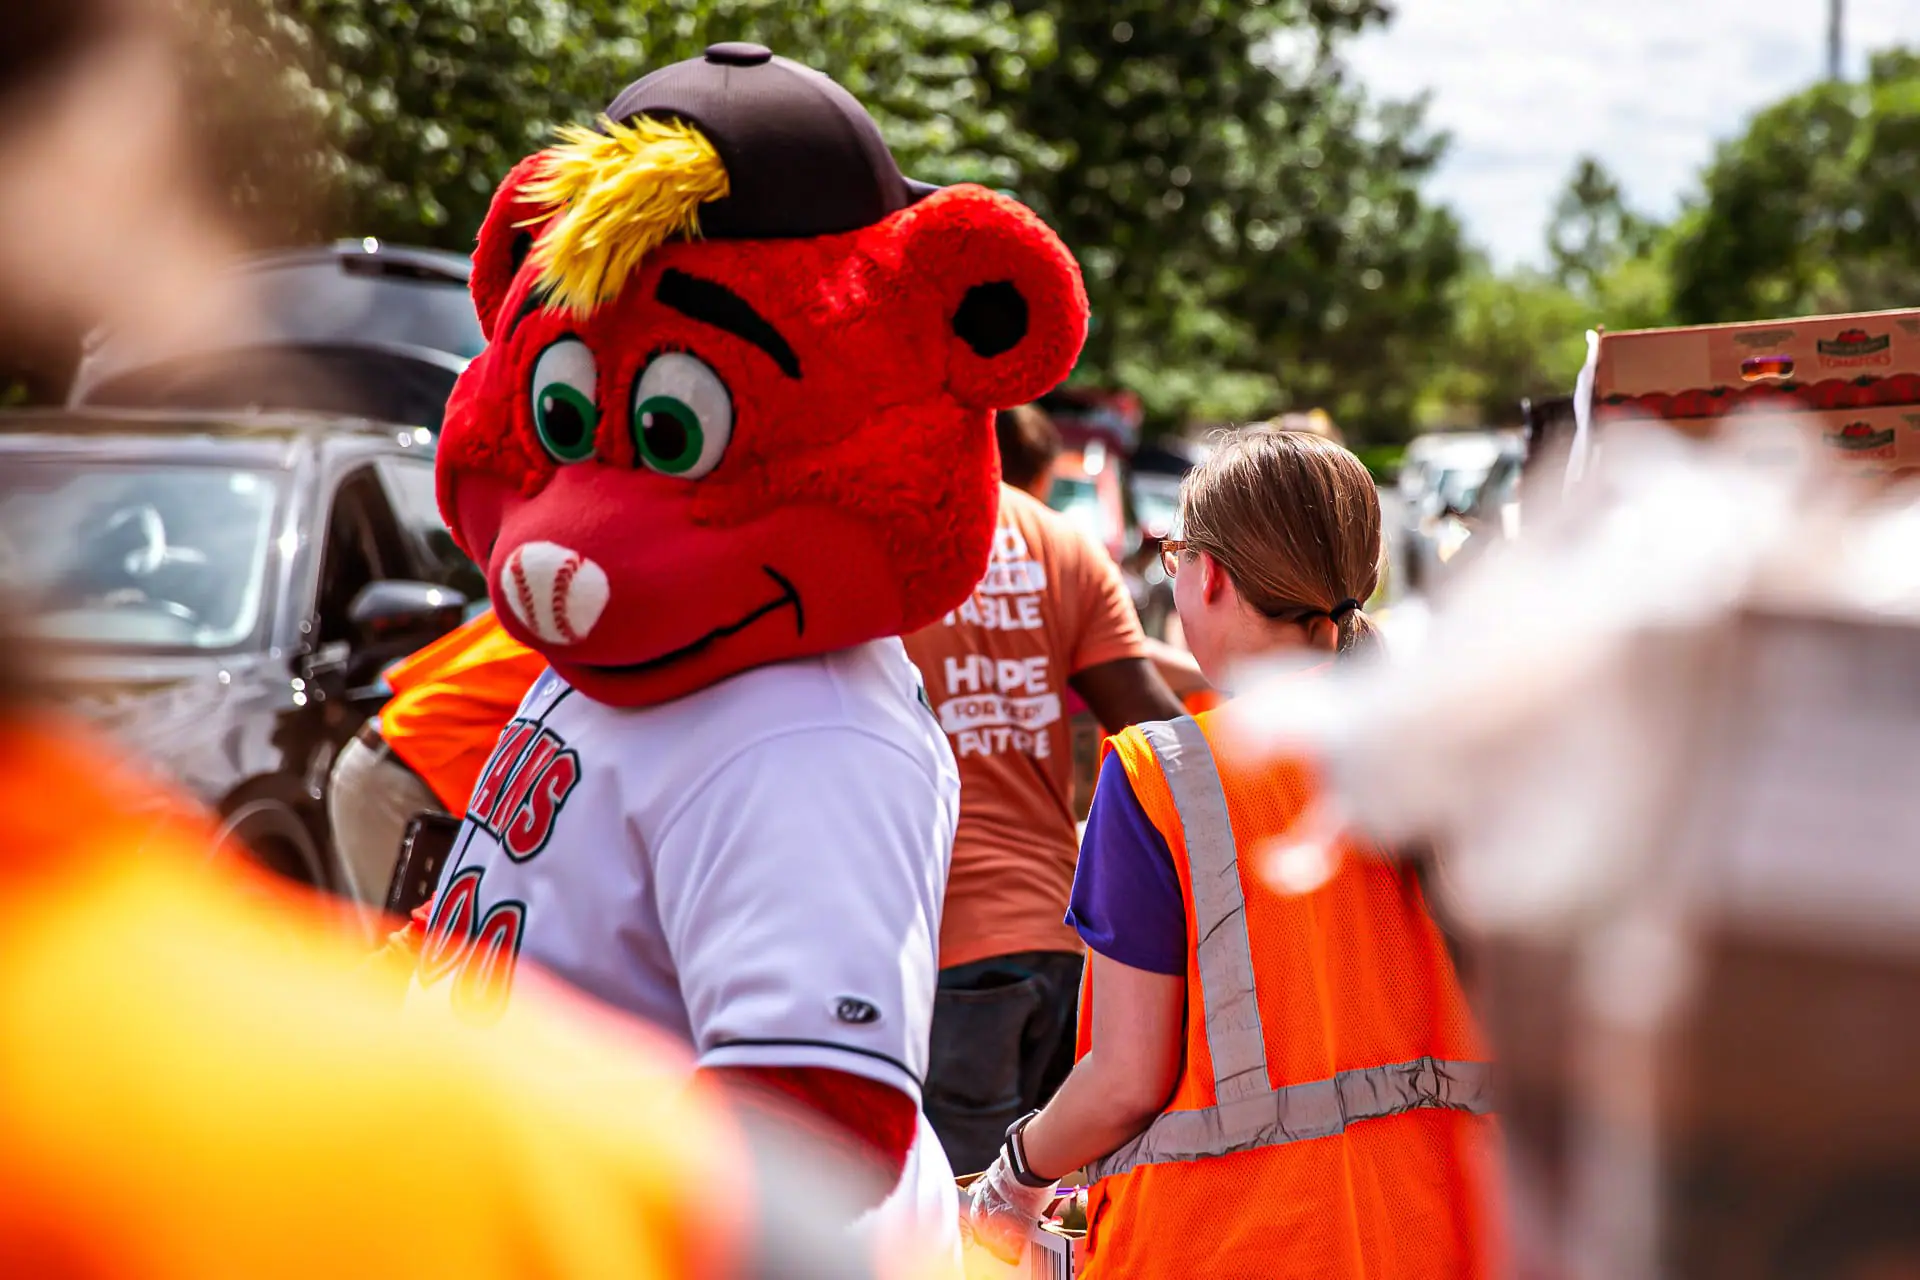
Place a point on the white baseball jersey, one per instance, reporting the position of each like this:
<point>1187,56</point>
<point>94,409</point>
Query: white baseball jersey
<point>757,867</point>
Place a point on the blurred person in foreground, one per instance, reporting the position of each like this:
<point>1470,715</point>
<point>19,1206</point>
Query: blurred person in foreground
<point>197,1079</point>
<point>1051,613</point>
<point>424,750</point>
<point>1271,1081</point>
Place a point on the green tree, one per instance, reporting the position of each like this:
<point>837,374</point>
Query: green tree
<point>1592,231</point>
<point>1251,226</point>
<point>1812,209</point>
<point>398,119</point>
<point>1521,333</point>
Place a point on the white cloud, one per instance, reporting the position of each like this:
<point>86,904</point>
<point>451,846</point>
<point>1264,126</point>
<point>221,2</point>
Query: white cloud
<point>1527,86</point>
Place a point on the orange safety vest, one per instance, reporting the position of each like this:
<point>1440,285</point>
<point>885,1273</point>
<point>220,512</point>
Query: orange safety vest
<point>1330,1115</point>
<point>451,700</point>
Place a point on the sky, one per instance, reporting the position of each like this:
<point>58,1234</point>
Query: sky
<point>1649,86</point>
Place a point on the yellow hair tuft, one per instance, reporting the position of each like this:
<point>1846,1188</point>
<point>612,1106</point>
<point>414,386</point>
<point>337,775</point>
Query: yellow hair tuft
<point>622,191</point>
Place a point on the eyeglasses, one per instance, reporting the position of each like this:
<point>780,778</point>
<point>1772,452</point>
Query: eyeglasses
<point>1170,552</point>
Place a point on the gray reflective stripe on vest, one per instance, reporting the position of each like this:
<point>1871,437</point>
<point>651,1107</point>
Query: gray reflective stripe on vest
<point>1250,1112</point>
<point>1234,1036</point>
<point>1297,1112</point>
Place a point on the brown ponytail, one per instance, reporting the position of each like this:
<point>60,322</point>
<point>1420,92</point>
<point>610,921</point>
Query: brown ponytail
<point>1294,519</point>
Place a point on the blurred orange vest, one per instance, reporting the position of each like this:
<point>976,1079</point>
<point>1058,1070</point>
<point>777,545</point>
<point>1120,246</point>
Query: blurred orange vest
<point>197,1079</point>
<point>1330,1117</point>
<point>452,699</point>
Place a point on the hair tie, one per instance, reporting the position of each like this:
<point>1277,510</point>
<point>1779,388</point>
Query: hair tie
<point>1345,607</point>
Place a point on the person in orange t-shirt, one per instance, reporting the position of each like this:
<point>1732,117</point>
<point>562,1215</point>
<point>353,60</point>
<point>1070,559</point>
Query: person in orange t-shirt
<point>1051,614</point>
<point>425,749</point>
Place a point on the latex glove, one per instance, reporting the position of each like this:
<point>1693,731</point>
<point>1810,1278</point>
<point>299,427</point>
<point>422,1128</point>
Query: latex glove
<point>1001,1213</point>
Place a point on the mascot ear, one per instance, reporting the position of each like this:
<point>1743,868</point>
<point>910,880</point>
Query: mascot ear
<point>1008,292</point>
<point>506,238</point>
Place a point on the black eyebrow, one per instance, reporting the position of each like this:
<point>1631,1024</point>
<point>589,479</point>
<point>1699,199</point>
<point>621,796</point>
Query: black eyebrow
<point>535,299</point>
<point>713,303</point>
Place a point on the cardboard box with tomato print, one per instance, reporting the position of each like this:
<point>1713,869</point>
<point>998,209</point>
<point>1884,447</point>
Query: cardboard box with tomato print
<point>1054,1248</point>
<point>1853,381</point>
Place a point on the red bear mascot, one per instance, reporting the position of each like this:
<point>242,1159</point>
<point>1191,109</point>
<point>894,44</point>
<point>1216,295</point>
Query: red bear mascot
<point>730,437</point>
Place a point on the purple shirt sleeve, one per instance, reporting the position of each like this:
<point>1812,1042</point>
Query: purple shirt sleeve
<point>1127,903</point>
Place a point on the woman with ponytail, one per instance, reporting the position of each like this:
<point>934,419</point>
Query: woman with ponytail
<point>1272,1080</point>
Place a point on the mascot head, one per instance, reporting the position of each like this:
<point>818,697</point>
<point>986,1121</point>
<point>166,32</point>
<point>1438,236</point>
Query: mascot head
<point>736,404</point>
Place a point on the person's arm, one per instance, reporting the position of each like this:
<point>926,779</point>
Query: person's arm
<point>1125,1079</point>
<point>1177,667</point>
<point>455,719</point>
<point>798,887</point>
<point>1112,669</point>
<point>1126,691</point>
<point>1129,909</point>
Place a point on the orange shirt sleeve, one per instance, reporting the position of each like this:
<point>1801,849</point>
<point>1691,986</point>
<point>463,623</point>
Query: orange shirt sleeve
<point>1108,627</point>
<point>450,702</point>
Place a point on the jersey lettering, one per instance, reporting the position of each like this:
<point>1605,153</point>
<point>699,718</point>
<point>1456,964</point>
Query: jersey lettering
<point>544,748</point>
<point>526,833</point>
<point>499,770</point>
<point>524,784</point>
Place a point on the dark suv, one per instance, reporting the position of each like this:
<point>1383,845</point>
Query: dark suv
<point>357,328</point>
<point>222,591</point>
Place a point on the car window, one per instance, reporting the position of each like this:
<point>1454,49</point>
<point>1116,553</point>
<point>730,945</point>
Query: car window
<point>358,550</point>
<point>1499,486</point>
<point>361,335</point>
<point>1156,500</point>
<point>357,301</point>
<point>140,554</point>
<point>1459,488</point>
<point>410,485</point>
<point>372,382</point>
<point>1079,501</point>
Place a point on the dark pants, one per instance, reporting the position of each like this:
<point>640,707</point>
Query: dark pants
<point>1003,1033</point>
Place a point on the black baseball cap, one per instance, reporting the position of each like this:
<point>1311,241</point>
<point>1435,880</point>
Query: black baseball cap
<point>803,157</point>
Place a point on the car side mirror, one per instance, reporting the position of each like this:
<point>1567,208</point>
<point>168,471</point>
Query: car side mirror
<point>393,611</point>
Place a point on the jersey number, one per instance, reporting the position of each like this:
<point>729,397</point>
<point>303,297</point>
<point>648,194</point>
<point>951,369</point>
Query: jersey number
<point>480,955</point>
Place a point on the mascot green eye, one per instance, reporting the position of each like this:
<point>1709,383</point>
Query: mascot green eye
<point>563,411</point>
<point>682,416</point>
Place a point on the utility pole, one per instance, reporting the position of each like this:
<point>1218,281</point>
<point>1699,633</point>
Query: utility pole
<point>1834,9</point>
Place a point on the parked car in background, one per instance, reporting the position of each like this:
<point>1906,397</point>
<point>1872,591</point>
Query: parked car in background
<point>1549,426</point>
<point>1089,488</point>
<point>221,593</point>
<point>358,328</point>
<point>1488,515</point>
<point>1153,485</point>
<point>1154,481</point>
<point>1439,480</point>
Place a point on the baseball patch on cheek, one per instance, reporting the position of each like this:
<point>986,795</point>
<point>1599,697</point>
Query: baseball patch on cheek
<point>854,1011</point>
